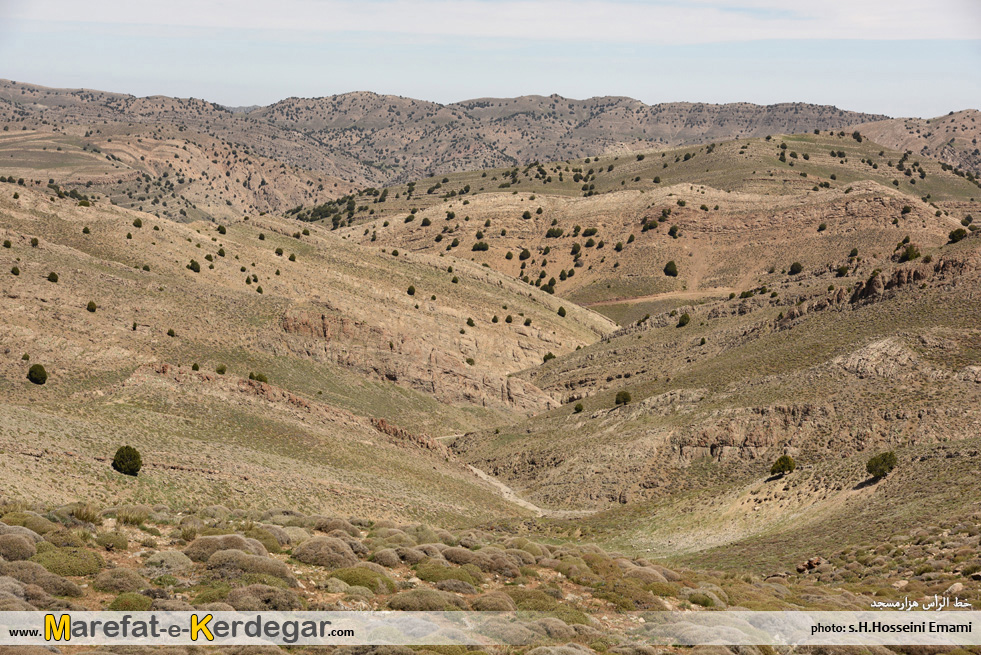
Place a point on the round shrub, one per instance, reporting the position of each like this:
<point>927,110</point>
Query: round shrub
<point>325,551</point>
<point>426,600</point>
<point>172,561</point>
<point>671,269</point>
<point>52,277</point>
<point>127,461</point>
<point>130,602</point>
<point>623,397</point>
<point>233,564</point>
<point>387,557</point>
<point>881,465</point>
<point>37,374</point>
<point>16,547</point>
<point>360,576</point>
<point>91,306</point>
<point>203,548</point>
<point>784,464</point>
<point>115,540</point>
<point>69,561</point>
<point>796,268</point>
<point>260,597</point>
<point>63,538</point>
<point>119,581</point>
<point>684,319</point>
<point>494,601</point>
<point>35,523</point>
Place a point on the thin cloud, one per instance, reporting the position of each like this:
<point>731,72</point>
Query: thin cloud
<point>666,22</point>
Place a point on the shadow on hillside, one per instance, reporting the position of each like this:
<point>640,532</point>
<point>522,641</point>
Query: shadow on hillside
<point>864,484</point>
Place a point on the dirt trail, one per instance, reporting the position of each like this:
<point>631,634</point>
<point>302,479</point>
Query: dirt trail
<point>512,496</point>
<point>692,295</point>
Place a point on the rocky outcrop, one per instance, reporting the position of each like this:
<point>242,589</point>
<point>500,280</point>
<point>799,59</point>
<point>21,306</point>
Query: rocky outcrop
<point>416,361</point>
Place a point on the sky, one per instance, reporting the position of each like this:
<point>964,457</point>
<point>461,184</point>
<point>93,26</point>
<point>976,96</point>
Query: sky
<point>895,57</point>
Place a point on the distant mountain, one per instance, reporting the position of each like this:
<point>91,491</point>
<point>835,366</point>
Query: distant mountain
<point>370,139</point>
<point>953,139</point>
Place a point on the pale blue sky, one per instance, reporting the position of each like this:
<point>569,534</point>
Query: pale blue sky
<point>896,57</point>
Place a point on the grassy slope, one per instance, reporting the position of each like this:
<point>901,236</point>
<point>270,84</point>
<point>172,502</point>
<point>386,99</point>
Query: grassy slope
<point>745,193</point>
<point>300,440</point>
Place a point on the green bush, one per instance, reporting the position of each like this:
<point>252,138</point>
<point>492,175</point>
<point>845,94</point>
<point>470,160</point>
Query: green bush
<point>358,576</point>
<point>37,374</point>
<point>623,397</point>
<point>115,540</point>
<point>578,408</point>
<point>684,320</point>
<point>411,290</point>
<point>957,235</point>
<point>127,461</point>
<point>69,561</point>
<point>784,464</point>
<point>879,466</point>
<point>796,268</point>
<point>130,602</point>
<point>561,312</point>
<point>91,306</point>
<point>119,580</point>
<point>432,572</point>
<point>671,269</point>
<point>14,270</point>
<point>52,277</point>
<point>426,600</point>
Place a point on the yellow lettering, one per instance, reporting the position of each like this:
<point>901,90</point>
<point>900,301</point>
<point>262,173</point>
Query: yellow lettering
<point>202,627</point>
<point>57,631</point>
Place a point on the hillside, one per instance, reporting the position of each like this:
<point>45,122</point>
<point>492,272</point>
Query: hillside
<point>528,322</point>
<point>952,139</point>
<point>367,139</point>
<point>184,313</point>
<point>601,230</point>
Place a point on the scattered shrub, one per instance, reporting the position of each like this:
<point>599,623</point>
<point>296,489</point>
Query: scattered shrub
<point>796,268</point>
<point>361,576</point>
<point>16,547</point>
<point>623,397</point>
<point>119,580</point>
<point>881,465</point>
<point>784,464</point>
<point>69,561</point>
<point>426,600</point>
<point>37,374</point>
<point>91,306</point>
<point>130,602</point>
<point>127,461</point>
<point>330,552</point>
